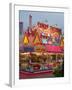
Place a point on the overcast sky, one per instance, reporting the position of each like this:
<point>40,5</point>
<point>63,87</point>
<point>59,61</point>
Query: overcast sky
<point>50,18</point>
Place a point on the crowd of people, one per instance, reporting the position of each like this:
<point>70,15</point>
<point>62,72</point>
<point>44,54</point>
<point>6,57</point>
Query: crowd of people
<point>33,62</point>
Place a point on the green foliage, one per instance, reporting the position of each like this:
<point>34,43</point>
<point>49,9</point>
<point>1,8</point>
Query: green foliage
<point>58,72</point>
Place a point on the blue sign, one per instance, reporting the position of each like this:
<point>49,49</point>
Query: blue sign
<point>28,49</point>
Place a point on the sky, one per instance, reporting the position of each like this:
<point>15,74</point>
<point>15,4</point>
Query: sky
<point>51,18</point>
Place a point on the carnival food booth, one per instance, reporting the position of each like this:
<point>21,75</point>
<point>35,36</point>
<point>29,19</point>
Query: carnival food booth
<point>42,51</point>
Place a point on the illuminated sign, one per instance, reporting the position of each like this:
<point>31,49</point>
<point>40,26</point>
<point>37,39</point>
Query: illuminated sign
<point>42,25</point>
